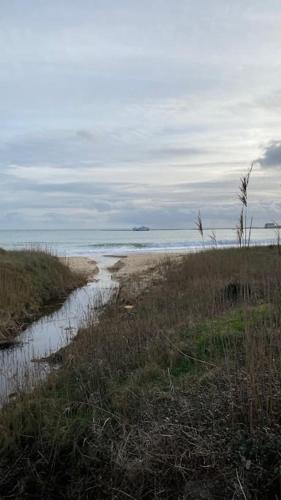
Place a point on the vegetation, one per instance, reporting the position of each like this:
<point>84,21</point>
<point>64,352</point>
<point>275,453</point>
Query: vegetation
<point>243,232</point>
<point>29,279</point>
<point>175,397</point>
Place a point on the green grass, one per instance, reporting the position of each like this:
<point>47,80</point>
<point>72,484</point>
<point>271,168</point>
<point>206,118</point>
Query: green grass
<point>209,342</point>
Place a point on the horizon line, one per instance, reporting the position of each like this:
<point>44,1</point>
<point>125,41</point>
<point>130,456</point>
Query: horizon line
<point>211,228</point>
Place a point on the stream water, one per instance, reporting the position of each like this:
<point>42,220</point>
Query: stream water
<point>19,369</point>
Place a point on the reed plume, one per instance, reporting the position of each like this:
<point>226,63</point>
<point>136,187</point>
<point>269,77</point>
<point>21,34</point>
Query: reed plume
<point>213,238</point>
<point>243,235</point>
<point>199,225</point>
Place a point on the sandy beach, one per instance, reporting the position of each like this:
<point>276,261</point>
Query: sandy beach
<point>126,266</point>
<point>82,265</point>
<point>135,272</point>
<point>136,263</point>
<point>144,266</point>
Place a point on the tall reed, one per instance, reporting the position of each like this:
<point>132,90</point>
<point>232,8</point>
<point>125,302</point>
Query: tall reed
<point>243,232</point>
<point>199,225</point>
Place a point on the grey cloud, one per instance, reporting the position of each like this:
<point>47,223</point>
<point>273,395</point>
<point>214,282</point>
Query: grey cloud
<point>174,152</point>
<point>64,148</point>
<point>47,147</point>
<point>272,155</point>
<point>135,91</point>
<point>86,135</point>
<point>121,197</point>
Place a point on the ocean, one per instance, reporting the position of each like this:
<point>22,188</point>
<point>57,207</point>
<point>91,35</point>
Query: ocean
<point>117,242</point>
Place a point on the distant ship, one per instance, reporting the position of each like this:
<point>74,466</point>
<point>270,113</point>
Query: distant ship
<point>141,228</point>
<point>271,225</point>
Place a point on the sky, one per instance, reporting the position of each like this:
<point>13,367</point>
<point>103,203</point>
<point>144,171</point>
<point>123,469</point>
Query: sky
<point>120,113</point>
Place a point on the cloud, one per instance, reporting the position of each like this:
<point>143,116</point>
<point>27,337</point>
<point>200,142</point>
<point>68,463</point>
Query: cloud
<point>116,113</point>
<point>176,152</point>
<point>272,155</point>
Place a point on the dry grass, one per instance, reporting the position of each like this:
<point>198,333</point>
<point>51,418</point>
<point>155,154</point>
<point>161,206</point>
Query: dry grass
<point>243,232</point>
<point>29,279</point>
<point>177,397</point>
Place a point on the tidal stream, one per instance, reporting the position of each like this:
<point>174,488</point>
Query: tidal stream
<point>20,365</point>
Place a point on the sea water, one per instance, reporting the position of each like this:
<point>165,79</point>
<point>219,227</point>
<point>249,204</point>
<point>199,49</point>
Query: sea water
<point>92,242</point>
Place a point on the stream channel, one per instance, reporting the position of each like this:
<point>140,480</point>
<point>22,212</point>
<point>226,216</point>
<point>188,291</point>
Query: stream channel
<point>18,370</point>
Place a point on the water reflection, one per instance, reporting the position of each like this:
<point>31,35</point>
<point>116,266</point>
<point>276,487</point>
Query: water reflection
<point>18,368</point>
